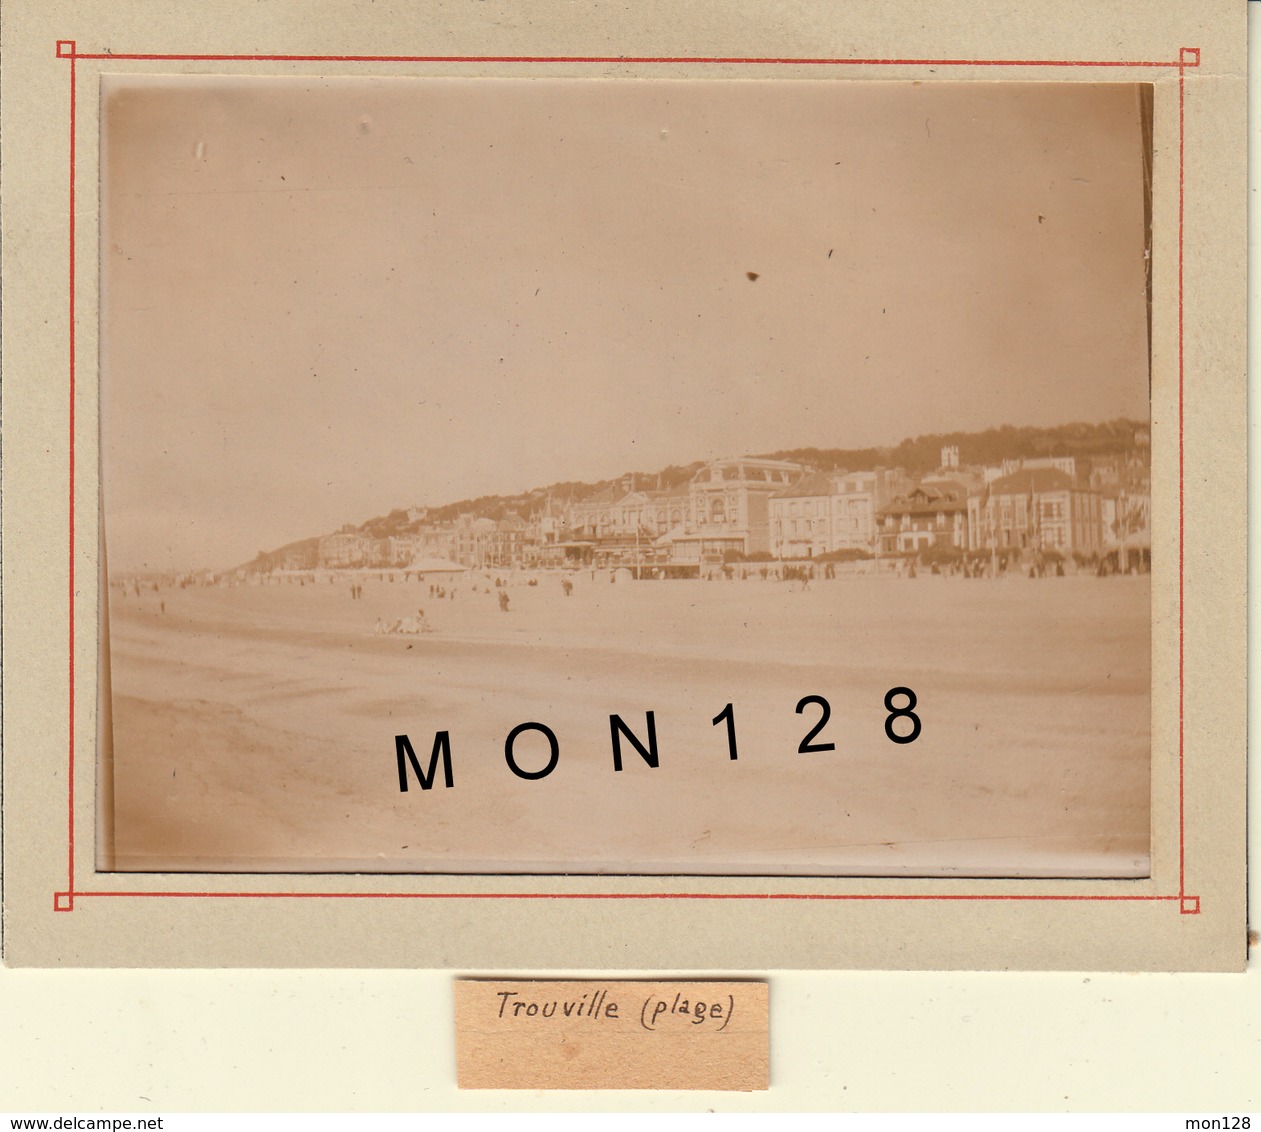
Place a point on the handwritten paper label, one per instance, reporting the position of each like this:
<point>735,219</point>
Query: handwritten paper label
<point>594,1034</point>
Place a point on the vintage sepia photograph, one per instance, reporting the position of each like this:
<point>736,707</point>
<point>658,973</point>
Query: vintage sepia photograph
<point>627,477</point>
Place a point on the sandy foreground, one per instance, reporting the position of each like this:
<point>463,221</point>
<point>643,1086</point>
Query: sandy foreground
<point>254,727</point>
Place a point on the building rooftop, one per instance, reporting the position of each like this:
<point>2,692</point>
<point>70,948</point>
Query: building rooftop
<point>1029,481</point>
<point>819,483</point>
<point>930,499</point>
<point>747,469</point>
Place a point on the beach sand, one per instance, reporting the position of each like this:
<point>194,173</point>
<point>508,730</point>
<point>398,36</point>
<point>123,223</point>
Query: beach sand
<point>254,727</point>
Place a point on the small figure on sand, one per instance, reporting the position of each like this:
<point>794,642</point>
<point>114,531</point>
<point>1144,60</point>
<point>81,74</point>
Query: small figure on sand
<point>417,624</point>
<point>567,586</point>
<point>503,602</point>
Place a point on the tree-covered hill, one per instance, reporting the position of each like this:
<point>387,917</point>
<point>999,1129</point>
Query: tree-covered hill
<point>922,454</point>
<point>916,456</point>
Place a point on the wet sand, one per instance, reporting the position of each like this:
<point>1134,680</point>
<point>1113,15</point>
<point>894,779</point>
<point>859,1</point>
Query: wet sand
<point>254,727</point>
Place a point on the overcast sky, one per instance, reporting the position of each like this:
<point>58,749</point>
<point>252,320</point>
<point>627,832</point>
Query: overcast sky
<point>325,299</point>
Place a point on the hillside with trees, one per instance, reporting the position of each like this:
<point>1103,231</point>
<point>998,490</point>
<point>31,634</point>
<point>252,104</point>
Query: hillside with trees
<point>922,454</point>
<point>916,456</point>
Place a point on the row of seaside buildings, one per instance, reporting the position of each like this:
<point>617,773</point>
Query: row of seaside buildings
<point>750,508</point>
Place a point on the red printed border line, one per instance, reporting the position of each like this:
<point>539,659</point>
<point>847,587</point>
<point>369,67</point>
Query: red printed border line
<point>1188,57</point>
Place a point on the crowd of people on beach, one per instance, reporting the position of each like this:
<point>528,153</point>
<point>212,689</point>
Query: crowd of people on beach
<point>799,576</point>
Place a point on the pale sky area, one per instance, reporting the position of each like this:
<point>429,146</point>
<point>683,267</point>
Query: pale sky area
<point>325,299</point>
